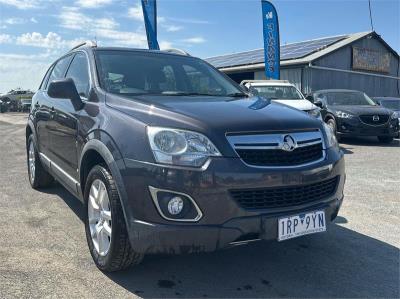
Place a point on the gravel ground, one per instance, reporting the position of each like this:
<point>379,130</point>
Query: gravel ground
<point>43,251</point>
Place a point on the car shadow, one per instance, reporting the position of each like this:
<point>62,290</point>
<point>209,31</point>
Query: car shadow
<point>340,263</point>
<point>72,202</point>
<point>368,141</point>
<point>346,150</point>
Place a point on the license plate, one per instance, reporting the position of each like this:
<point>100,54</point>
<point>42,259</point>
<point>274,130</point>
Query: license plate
<point>300,225</point>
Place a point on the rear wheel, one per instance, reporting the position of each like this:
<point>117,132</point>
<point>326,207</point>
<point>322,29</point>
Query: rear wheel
<point>38,176</point>
<point>385,139</point>
<point>105,226</point>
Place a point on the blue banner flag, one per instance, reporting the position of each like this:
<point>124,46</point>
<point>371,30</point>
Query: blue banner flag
<point>271,40</point>
<point>150,20</point>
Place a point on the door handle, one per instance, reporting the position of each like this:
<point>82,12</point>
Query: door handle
<point>52,112</point>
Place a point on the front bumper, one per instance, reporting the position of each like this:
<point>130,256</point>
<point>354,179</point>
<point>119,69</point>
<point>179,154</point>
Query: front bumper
<point>224,222</point>
<point>355,127</point>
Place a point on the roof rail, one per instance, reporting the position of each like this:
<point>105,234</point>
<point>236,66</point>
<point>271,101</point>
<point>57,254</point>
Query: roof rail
<point>88,43</point>
<point>176,51</point>
<point>262,81</point>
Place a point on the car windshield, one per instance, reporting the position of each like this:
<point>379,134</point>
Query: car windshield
<point>133,73</point>
<point>279,92</point>
<point>391,104</point>
<point>347,98</point>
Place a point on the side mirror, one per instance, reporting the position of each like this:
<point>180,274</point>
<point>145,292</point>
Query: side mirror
<point>318,103</point>
<point>244,88</point>
<point>310,98</point>
<point>65,89</point>
<point>253,91</point>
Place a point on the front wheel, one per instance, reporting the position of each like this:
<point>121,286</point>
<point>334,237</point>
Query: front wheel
<point>105,226</point>
<point>332,123</point>
<point>385,139</point>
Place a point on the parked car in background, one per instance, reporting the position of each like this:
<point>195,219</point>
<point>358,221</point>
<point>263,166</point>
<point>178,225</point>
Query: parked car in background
<point>3,106</point>
<point>170,156</point>
<point>391,103</point>
<point>283,92</point>
<point>353,113</point>
<point>25,105</point>
<point>14,99</point>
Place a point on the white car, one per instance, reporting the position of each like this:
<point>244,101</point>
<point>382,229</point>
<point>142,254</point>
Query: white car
<point>284,92</point>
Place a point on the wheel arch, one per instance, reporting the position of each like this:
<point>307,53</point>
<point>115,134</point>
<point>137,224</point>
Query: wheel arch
<point>329,116</point>
<point>96,152</point>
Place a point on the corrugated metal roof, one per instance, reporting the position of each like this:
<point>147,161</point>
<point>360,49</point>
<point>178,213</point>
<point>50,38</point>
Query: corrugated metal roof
<point>294,53</point>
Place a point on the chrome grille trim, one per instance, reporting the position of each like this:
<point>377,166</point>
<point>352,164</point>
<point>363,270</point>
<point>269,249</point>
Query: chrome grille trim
<point>274,141</point>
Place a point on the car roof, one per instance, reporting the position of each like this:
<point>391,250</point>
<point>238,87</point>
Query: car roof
<point>386,98</point>
<point>174,52</point>
<point>271,84</point>
<point>335,90</point>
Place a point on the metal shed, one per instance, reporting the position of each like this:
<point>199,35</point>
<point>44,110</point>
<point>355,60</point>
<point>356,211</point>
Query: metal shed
<point>361,61</point>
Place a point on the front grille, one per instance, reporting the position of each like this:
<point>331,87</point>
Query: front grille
<point>369,119</point>
<point>281,197</point>
<point>278,157</point>
<point>278,149</point>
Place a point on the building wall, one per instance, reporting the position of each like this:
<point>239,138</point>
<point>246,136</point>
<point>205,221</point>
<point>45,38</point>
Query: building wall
<point>373,83</point>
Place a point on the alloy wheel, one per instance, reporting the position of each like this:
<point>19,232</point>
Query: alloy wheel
<point>31,162</point>
<point>99,216</point>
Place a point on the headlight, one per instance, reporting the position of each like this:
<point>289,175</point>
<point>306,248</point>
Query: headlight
<point>394,115</point>
<point>180,147</point>
<point>343,114</point>
<point>331,140</point>
<point>315,112</point>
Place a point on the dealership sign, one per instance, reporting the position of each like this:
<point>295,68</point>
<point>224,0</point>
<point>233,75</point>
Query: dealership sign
<point>371,60</point>
<point>271,40</point>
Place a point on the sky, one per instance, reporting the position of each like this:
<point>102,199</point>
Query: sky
<point>34,33</point>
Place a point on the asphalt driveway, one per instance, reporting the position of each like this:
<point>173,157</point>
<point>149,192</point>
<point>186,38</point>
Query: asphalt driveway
<point>43,251</point>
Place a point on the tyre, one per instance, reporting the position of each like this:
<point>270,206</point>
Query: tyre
<point>385,139</point>
<point>105,226</point>
<point>38,176</point>
<point>332,123</point>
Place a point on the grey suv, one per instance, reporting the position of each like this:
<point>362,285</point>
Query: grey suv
<point>169,155</point>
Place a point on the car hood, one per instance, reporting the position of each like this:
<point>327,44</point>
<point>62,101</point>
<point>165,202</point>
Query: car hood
<point>218,115</point>
<point>362,110</point>
<point>300,104</point>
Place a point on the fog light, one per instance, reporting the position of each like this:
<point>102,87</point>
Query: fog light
<point>175,205</point>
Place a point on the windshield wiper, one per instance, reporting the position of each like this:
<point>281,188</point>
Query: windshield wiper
<point>183,93</point>
<point>237,94</point>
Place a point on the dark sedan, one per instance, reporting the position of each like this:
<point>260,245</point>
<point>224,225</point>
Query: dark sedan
<point>353,113</point>
<point>390,103</point>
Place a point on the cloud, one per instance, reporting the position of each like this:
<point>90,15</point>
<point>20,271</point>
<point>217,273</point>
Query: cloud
<point>72,18</point>
<point>24,71</point>
<point>189,21</point>
<point>5,39</point>
<point>14,21</point>
<point>92,3</point>
<point>172,28</point>
<point>50,41</point>
<point>136,12</point>
<point>194,40</point>
<point>33,20</point>
<point>104,29</point>
<point>21,4</point>
<point>165,45</point>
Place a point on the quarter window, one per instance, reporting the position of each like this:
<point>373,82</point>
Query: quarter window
<point>79,73</point>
